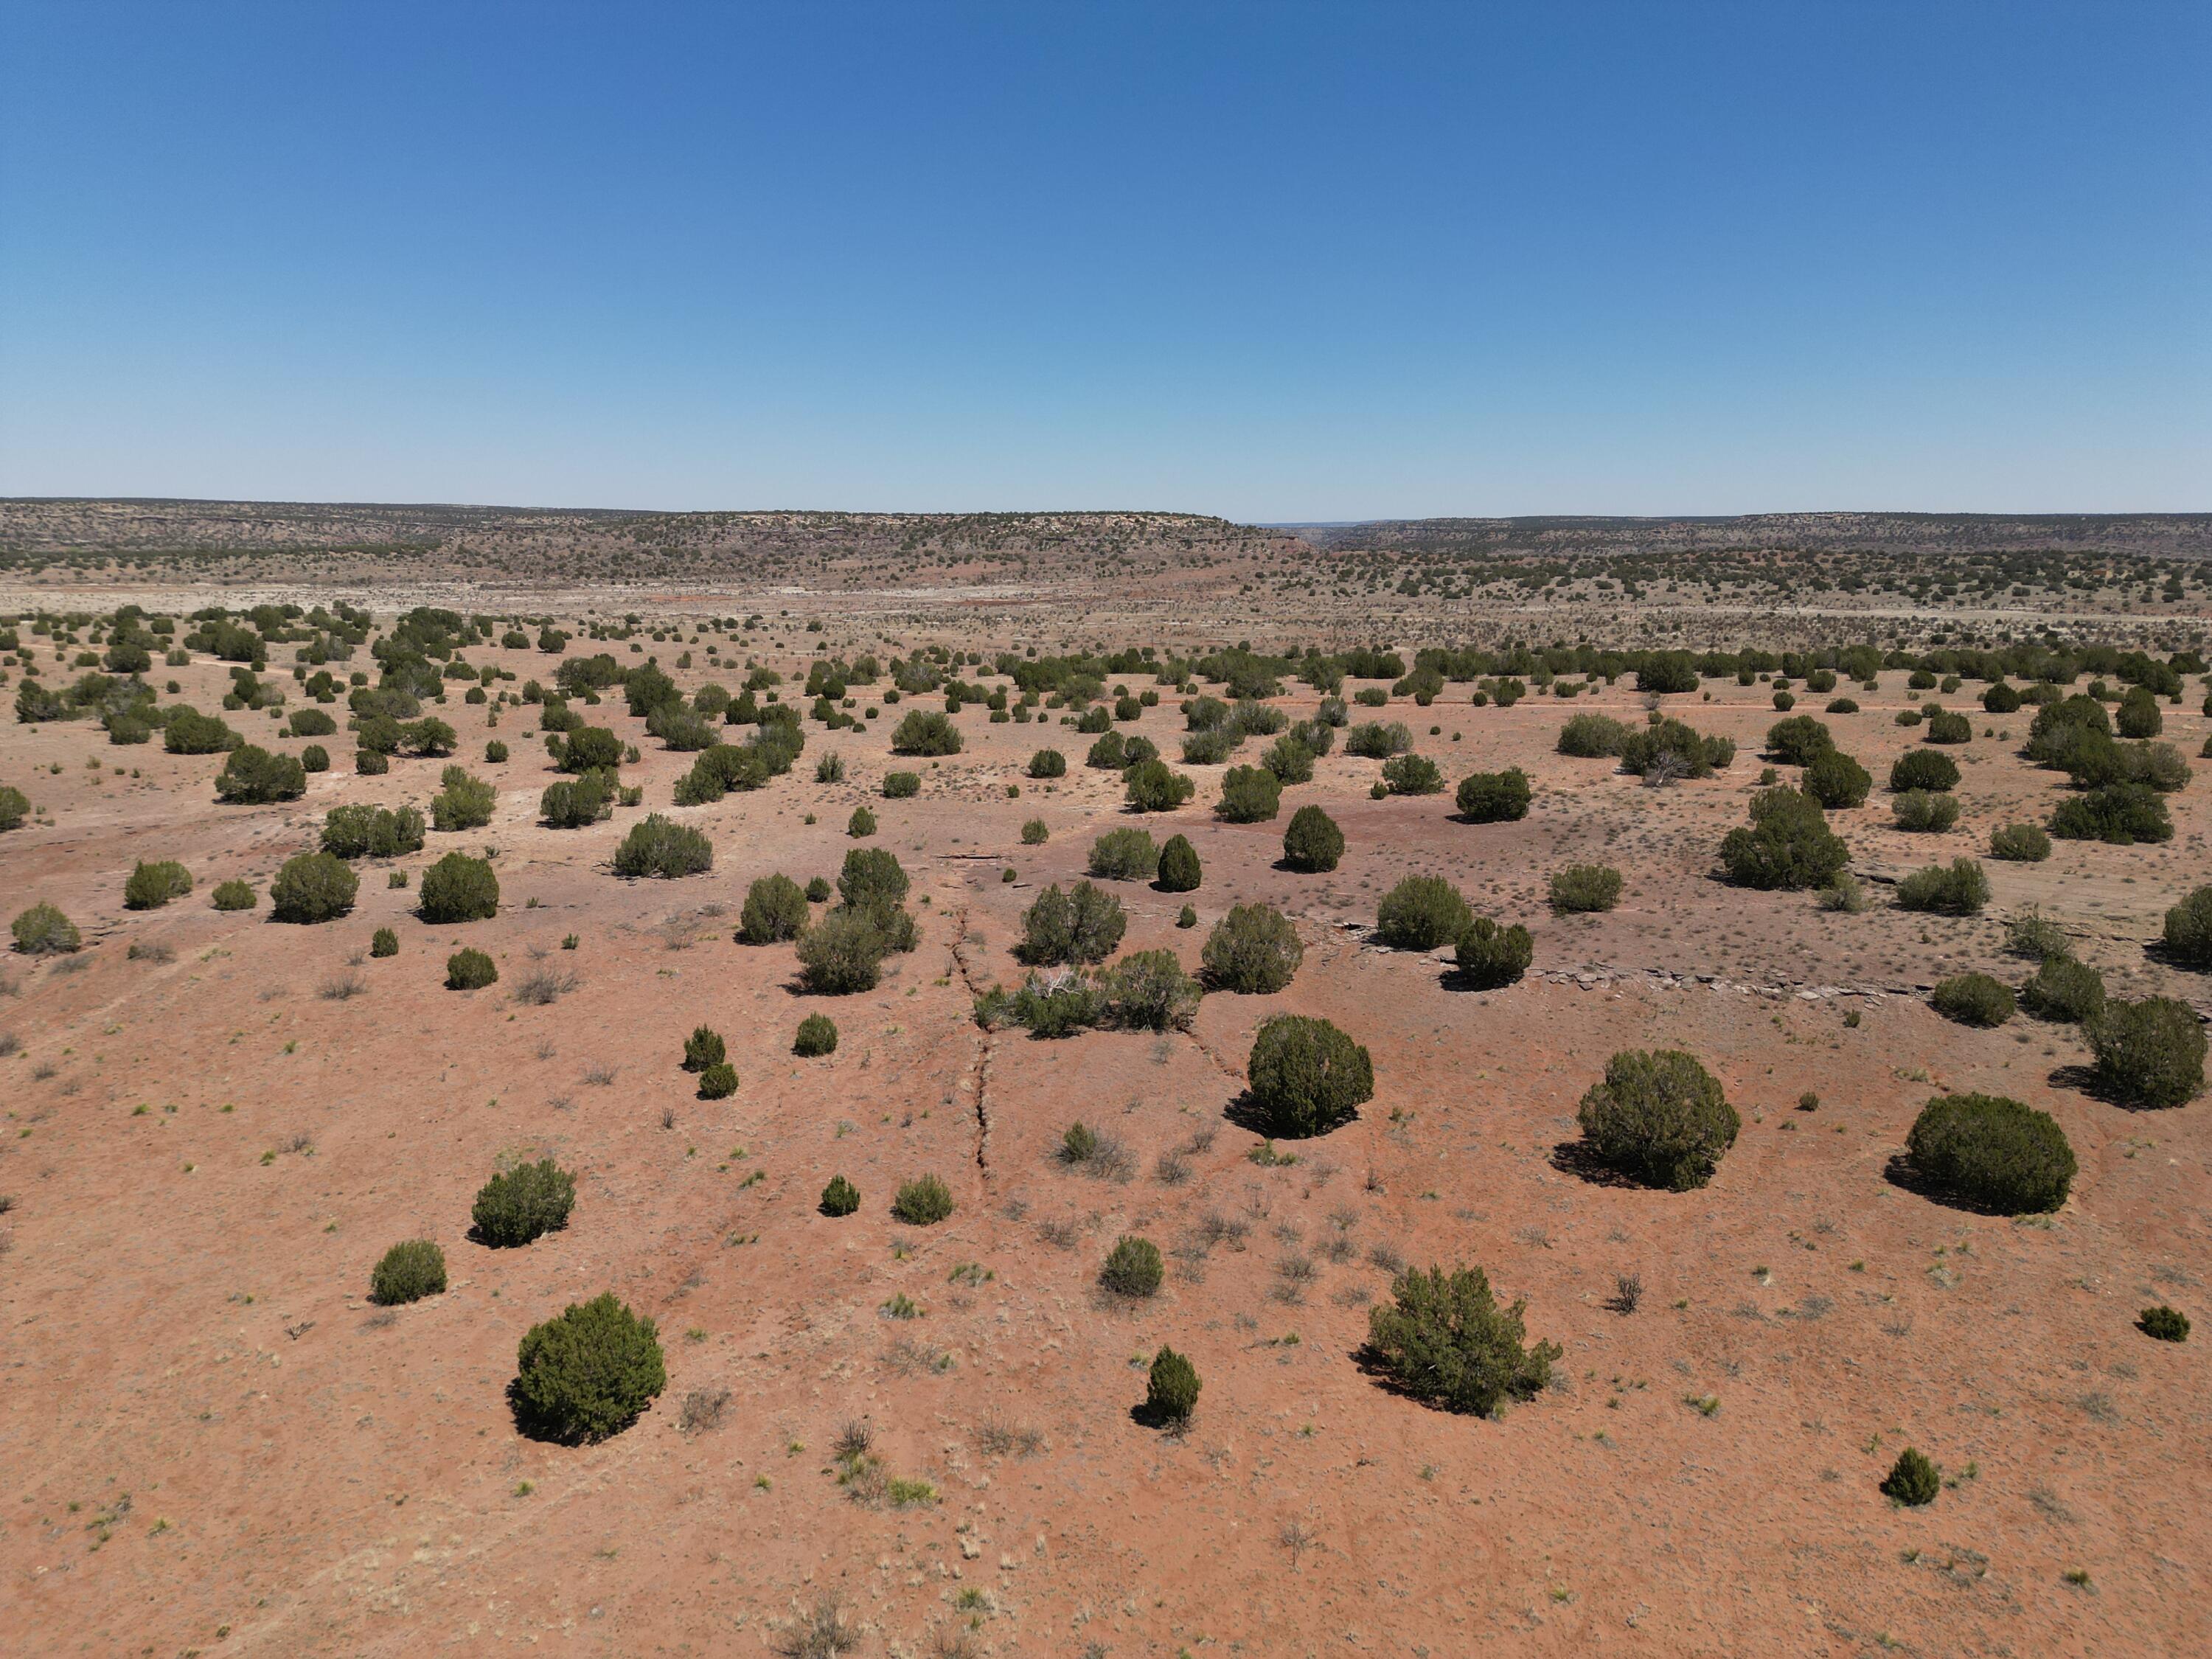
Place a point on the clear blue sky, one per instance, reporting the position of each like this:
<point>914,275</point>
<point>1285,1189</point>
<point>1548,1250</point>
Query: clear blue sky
<point>1276,262</point>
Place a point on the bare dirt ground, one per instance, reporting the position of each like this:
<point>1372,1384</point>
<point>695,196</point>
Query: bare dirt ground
<point>214,1444</point>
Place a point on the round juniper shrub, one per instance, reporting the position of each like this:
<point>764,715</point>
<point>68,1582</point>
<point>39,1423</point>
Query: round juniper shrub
<point>1179,872</point>
<point>1494,797</point>
<point>1974,1000</point>
<point>1842,706</point>
<point>14,807</point>
<point>1912,1480</point>
<point>1148,991</point>
<point>1110,754</point>
<point>1836,780</point>
<point>1588,737</point>
<point>1048,763</point>
<point>922,1202</point>
<point>923,732</point>
<point>1411,774</point>
<point>657,846</point>
<point>1944,726</point>
<point>2189,930</point>
<point>470,969</point>
<point>459,888</point>
<point>1923,769</point>
<point>1797,740</point>
<point>312,887</point>
<point>575,803</point>
<point>1490,956</point>
<point>2163,1324</point>
<point>43,930</point>
<point>1150,785</point>
<point>2138,715</point>
<point>383,943</point>
<point>1290,760</point>
<point>1082,925</point>
<point>861,824</point>
<point>871,879</point>
<point>235,895</point>
<point>2001,699</point>
<point>1124,855</point>
<point>1171,1388</point>
<point>844,953</point>
<point>2064,991</point>
<point>702,1048</point>
<point>775,910</point>
<point>1253,950</point>
<point>1420,913</point>
<point>840,1197</point>
<point>2117,814</point>
<point>1783,703</point>
<point>1444,1339</point>
<point>1659,1117</point>
<point>356,832</point>
<point>589,1373</point>
<point>2149,1053</point>
<point>1992,1153</point>
<point>817,1036</point>
<point>1960,889</point>
<point>1035,832</point>
<point>901,785</point>
<point>314,758</point>
<point>1921,811</point>
<point>718,1081</point>
<point>408,1272</point>
<point>253,776</point>
<point>1132,1268</point>
<point>1788,846</point>
<point>1306,1077</point>
<point>1583,888</point>
<point>188,731</point>
<point>1187,917</point>
<point>494,752</point>
<point>150,886</point>
<point>1312,844</point>
<point>2018,843</point>
<point>519,1204</point>
<point>371,764</point>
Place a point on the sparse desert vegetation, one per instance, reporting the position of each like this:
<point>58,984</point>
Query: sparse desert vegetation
<point>1159,1022</point>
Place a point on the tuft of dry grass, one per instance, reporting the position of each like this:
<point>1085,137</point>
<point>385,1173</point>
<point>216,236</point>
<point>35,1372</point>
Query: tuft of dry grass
<point>1216,1228</point>
<point>997,1438</point>
<point>542,986</point>
<point>703,1409</point>
<point>825,1631</point>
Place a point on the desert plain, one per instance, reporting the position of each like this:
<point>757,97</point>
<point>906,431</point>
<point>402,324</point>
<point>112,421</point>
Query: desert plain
<point>883,1437</point>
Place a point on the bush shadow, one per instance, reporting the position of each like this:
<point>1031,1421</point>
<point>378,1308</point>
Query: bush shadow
<point>1899,1172</point>
<point>1244,1112</point>
<point>1580,1159</point>
<point>1146,1415</point>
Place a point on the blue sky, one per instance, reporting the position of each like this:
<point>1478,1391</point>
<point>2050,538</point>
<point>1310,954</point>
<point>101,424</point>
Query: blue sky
<point>1276,262</point>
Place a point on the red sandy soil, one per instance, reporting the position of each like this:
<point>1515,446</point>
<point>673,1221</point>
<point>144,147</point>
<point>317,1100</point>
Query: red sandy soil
<point>214,1444</point>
